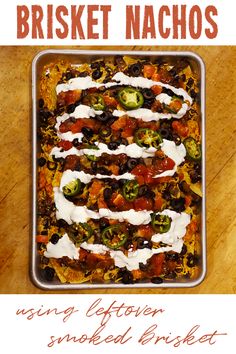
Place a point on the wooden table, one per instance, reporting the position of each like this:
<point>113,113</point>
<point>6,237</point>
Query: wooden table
<point>15,170</point>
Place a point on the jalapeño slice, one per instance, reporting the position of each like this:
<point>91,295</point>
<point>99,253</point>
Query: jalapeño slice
<point>96,101</point>
<point>80,232</point>
<point>161,223</point>
<point>130,98</point>
<point>72,188</point>
<point>147,138</point>
<point>193,149</point>
<point>114,237</point>
<point>130,190</point>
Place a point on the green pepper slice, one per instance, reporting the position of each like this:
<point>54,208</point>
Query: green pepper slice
<point>130,98</point>
<point>193,149</point>
<point>72,188</point>
<point>130,190</point>
<point>114,237</point>
<point>147,138</point>
<point>80,232</point>
<point>161,223</point>
<point>96,101</point>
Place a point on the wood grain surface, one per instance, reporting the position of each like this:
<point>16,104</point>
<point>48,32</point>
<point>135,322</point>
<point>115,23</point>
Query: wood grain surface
<point>15,170</point>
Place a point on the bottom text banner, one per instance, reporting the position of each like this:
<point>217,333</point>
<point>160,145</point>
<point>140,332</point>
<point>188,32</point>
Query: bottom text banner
<point>101,323</point>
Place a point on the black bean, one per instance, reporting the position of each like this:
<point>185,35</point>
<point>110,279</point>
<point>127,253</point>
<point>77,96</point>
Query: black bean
<point>195,176</point>
<point>176,139</point>
<point>88,132</point>
<point>104,171</point>
<point>190,82</point>
<point>135,69</point>
<point>103,223</point>
<point>48,273</point>
<point>184,250</point>
<point>143,267</point>
<point>171,275</point>
<point>131,163</point>
<point>69,75</point>
<point>178,204</point>
<point>192,260</point>
<point>73,119</point>
<point>122,181</point>
<point>76,142</point>
<point>157,280</point>
<point>114,185</point>
<point>41,103</point>
<point>143,190</point>
<point>172,257</point>
<point>126,276</point>
<point>62,223</point>
<point>70,108</point>
<point>143,243</point>
<point>54,238</point>
<point>168,91</point>
<point>112,145</point>
<point>193,94</point>
<point>123,169</point>
<point>96,74</point>
<point>41,161</point>
<point>107,193</point>
<point>94,167</point>
<point>124,141</point>
<point>83,74</point>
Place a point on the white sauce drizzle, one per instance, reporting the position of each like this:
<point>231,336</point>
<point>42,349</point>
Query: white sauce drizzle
<point>63,248</point>
<point>83,83</point>
<point>173,238</point>
<point>69,176</point>
<point>176,152</point>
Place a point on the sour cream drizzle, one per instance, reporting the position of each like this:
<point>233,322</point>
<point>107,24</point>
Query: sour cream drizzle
<point>176,152</point>
<point>69,176</point>
<point>83,83</point>
<point>173,238</point>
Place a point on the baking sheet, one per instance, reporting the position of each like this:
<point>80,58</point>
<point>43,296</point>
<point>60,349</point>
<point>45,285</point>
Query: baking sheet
<point>79,57</point>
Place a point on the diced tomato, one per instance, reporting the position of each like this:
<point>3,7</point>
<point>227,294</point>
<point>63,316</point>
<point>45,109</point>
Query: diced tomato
<point>145,231</point>
<point>163,165</point>
<point>78,125</point>
<point>69,97</point>
<point>83,254</point>
<point>156,264</point>
<point>101,203</point>
<point>71,162</point>
<point>165,76</point>
<point>120,202</point>
<point>148,70</point>
<point>95,188</point>
<point>137,274</point>
<point>65,145</point>
<point>110,101</point>
<point>156,89</point>
<point>42,238</point>
<point>139,170</point>
<point>120,123</point>
<point>180,128</point>
<point>143,203</point>
<point>114,169</point>
<point>129,128</point>
<point>158,202</point>
<point>175,105</point>
<point>149,125</point>
<point>156,77</point>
